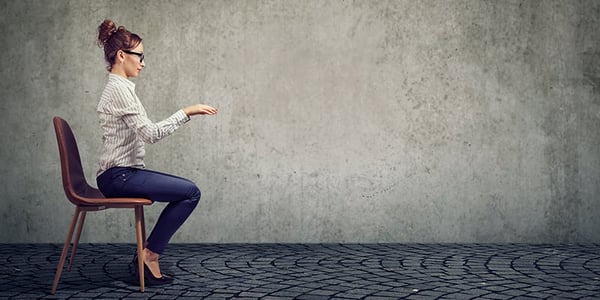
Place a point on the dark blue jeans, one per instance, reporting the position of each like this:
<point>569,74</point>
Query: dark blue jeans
<point>181,194</point>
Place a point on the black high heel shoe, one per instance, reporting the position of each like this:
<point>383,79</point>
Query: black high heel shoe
<point>149,278</point>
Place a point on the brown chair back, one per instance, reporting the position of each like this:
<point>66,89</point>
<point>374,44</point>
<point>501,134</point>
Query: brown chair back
<point>75,185</point>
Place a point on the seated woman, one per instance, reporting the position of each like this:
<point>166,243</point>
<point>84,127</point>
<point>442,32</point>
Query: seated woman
<point>126,129</point>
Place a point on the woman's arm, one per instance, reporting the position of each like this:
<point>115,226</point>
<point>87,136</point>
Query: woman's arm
<point>153,132</point>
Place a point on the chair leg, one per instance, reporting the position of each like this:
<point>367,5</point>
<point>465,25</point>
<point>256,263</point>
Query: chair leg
<point>63,256</point>
<point>139,232</point>
<point>143,226</point>
<point>76,242</point>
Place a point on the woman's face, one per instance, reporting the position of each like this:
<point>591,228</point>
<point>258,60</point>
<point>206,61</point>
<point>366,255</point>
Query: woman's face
<point>133,61</point>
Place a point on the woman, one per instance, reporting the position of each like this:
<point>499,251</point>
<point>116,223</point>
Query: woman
<point>126,129</point>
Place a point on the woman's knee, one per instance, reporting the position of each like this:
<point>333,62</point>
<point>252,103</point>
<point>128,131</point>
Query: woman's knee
<point>190,190</point>
<point>197,194</point>
<point>194,194</point>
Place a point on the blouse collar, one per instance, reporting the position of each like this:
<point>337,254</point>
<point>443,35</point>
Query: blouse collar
<point>120,79</point>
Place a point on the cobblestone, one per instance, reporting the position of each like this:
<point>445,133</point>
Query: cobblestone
<point>312,271</point>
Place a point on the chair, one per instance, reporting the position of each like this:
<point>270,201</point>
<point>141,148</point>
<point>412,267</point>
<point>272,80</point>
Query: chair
<point>89,199</point>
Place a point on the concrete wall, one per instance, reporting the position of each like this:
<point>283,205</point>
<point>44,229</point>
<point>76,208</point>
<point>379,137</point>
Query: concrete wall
<point>340,121</point>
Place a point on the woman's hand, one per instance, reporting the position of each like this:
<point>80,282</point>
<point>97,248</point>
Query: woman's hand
<point>200,109</point>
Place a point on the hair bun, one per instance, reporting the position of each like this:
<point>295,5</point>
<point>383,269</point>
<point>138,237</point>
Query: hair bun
<point>105,31</point>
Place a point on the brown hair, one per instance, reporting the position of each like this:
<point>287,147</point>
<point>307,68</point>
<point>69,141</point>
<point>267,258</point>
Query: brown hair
<point>113,39</point>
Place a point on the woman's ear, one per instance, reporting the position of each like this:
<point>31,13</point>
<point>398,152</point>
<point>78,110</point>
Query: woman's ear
<point>120,56</point>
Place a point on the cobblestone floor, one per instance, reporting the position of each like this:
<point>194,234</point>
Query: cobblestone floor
<point>312,271</point>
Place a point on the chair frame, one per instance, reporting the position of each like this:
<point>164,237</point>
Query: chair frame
<point>89,199</point>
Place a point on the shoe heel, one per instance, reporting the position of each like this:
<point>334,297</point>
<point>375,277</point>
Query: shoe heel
<point>151,280</point>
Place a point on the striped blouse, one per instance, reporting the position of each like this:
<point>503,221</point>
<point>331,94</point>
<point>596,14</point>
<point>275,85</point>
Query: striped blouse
<point>126,127</point>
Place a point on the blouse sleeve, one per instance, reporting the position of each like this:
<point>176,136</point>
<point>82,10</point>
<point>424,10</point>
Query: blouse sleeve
<point>126,106</point>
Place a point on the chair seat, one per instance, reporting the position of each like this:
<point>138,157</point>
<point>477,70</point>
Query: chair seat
<point>110,202</point>
<point>86,195</point>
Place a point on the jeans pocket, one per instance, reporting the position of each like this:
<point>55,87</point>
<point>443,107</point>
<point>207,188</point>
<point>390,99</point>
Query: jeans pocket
<point>112,183</point>
<point>124,176</point>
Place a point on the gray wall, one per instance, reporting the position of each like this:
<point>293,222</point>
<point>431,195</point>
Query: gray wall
<point>340,121</point>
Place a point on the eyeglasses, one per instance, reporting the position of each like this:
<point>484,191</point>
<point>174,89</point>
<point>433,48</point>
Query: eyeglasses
<point>140,55</point>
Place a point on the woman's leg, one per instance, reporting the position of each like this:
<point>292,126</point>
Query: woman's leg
<point>183,199</point>
<point>181,194</point>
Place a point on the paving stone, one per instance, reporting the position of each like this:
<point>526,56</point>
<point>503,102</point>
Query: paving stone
<point>312,297</point>
<point>312,271</point>
<point>495,296</point>
<point>322,292</point>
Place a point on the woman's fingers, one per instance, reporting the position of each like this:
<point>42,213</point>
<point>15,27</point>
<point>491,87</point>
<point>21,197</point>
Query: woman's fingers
<point>210,110</point>
<point>200,109</point>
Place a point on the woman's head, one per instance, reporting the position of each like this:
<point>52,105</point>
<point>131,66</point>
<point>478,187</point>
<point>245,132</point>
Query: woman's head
<point>123,49</point>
